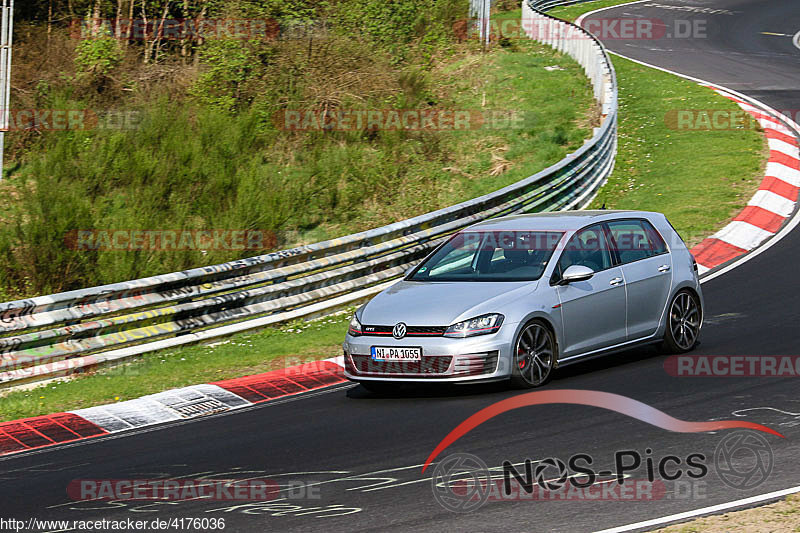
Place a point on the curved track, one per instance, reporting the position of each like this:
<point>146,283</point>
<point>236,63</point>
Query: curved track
<point>366,451</point>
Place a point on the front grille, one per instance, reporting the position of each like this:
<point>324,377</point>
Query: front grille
<point>411,331</point>
<point>429,365</point>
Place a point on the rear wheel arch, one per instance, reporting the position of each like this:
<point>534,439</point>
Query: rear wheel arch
<point>691,289</point>
<point>683,323</point>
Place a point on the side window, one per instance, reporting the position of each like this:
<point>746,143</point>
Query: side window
<point>588,247</point>
<point>635,240</point>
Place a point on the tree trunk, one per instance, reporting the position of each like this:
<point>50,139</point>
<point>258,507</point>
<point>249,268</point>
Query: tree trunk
<point>184,39</point>
<point>200,38</point>
<point>49,22</point>
<point>96,23</point>
<point>159,33</point>
<point>146,43</point>
<point>117,21</point>
<point>130,24</point>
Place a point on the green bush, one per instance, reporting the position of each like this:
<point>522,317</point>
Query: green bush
<point>396,25</point>
<point>229,66</point>
<point>97,57</point>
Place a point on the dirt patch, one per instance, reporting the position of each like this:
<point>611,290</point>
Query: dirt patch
<point>779,517</point>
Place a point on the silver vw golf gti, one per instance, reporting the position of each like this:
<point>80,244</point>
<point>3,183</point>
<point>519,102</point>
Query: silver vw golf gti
<point>513,298</point>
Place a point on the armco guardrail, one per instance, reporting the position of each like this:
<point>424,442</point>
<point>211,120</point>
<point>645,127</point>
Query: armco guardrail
<point>50,336</point>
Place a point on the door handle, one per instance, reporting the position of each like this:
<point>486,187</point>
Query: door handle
<point>664,268</point>
<point>616,281</point>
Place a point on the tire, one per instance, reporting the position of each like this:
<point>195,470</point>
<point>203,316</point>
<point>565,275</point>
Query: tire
<point>684,317</point>
<point>534,356</point>
<point>381,387</point>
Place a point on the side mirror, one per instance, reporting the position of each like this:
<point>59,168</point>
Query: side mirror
<point>576,273</point>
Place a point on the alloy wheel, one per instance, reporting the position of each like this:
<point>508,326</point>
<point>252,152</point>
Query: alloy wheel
<point>684,320</point>
<point>534,354</point>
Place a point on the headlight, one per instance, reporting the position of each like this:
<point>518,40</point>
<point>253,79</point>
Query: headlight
<point>480,325</point>
<point>355,327</point>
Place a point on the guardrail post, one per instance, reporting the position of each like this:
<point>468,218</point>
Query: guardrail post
<point>6,34</point>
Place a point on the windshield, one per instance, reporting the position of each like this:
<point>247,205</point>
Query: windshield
<point>490,256</point>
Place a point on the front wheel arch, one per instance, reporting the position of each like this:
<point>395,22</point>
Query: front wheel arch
<point>531,330</point>
<point>553,323</point>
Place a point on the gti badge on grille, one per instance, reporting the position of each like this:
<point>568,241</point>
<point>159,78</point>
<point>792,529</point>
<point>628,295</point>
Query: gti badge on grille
<point>399,330</point>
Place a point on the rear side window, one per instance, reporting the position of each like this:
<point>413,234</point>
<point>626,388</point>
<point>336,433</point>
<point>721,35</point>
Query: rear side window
<point>635,240</point>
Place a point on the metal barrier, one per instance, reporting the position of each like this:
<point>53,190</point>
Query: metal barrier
<point>50,336</point>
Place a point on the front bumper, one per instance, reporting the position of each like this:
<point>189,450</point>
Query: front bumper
<point>444,359</point>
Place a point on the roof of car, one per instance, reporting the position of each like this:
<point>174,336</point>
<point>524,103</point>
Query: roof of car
<point>554,221</point>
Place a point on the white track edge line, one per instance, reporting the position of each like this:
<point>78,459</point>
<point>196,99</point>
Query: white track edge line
<point>579,20</point>
<point>703,510</point>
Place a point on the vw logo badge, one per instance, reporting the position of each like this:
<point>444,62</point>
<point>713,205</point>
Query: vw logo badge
<point>399,330</point>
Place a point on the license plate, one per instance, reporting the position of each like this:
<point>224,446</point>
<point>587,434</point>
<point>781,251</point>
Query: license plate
<point>387,353</point>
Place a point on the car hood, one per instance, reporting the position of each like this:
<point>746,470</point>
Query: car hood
<point>441,303</point>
